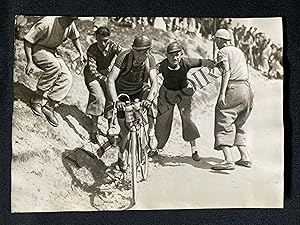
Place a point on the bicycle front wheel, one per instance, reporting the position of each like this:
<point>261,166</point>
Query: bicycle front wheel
<point>133,149</point>
<point>142,155</point>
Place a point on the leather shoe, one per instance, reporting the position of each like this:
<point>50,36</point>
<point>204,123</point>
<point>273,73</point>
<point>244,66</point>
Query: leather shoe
<point>244,163</point>
<point>36,107</point>
<point>50,116</point>
<point>225,165</point>
<point>195,156</point>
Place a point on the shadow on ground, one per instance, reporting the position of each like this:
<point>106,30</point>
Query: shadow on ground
<point>23,93</point>
<point>71,110</point>
<point>166,160</point>
<point>104,182</point>
<point>204,163</point>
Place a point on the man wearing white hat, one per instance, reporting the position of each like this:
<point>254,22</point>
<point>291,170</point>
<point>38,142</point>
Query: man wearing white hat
<point>234,103</point>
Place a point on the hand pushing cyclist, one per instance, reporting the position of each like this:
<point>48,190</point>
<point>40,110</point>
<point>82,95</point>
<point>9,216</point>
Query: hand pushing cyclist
<point>131,73</point>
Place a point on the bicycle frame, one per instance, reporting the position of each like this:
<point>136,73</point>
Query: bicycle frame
<point>139,156</point>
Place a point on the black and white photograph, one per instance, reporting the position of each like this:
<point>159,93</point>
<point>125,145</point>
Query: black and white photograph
<point>147,113</point>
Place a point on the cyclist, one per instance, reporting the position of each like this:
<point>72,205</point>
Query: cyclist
<point>40,45</point>
<point>99,57</point>
<point>131,73</point>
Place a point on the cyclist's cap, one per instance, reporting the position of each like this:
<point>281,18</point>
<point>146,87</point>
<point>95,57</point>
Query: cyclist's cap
<point>142,42</point>
<point>223,34</point>
<point>104,32</point>
<point>173,47</point>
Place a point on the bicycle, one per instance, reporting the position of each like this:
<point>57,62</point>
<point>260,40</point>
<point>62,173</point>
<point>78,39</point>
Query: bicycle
<point>138,140</point>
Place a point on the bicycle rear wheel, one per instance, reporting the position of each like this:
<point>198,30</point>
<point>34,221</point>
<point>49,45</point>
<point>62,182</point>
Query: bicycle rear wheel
<point>133,149</point>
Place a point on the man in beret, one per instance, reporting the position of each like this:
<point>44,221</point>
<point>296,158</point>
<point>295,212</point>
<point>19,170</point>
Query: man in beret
<point>175,90</point>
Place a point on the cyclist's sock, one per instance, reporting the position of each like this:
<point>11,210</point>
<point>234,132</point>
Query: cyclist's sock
<point>151,132</point>
<point>194,149</point>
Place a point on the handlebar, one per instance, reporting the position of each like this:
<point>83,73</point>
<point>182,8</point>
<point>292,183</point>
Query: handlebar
<point>136,105</point>
<point>125,95</point>
<point>133,116</point>
<point>133,110</point>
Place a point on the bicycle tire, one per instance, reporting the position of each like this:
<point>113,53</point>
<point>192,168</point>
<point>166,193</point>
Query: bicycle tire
<point>133,149</point>
<point>142,155</point>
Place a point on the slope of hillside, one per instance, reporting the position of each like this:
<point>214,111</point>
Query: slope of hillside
<point>57,169</point>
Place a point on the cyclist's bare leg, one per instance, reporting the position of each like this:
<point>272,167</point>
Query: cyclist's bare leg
<point>151,123</point>
<point>123,137</point>
<point>122,160</point>
<point>151,130</point>
<point>227,153</point>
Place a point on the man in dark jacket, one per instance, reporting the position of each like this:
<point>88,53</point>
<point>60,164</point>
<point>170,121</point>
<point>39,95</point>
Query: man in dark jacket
<point>176,91</point>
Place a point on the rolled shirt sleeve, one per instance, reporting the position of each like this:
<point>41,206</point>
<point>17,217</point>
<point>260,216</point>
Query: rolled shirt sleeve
<point>93,67</point>
<point>222,56</point>
<point>152,63</point>
<point>37,32</point>
<point>120,59</point>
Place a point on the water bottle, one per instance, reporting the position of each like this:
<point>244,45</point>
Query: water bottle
<point>129,117</point>
<point>137,109</point>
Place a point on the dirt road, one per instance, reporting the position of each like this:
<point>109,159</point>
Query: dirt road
<point>176,181</point>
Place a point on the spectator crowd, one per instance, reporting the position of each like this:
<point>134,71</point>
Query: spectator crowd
<point>260,52</point>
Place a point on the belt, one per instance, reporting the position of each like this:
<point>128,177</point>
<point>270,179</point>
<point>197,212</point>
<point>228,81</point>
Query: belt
<point>38,47</point>
<point>238,81</point>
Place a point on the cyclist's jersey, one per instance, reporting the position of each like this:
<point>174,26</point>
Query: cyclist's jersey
<point>132,78</point>
<point>103,57</point>
<point>176,79</point>
<point>99,60</point>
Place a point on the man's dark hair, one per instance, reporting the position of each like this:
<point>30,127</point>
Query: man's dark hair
<point>103,31</point>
